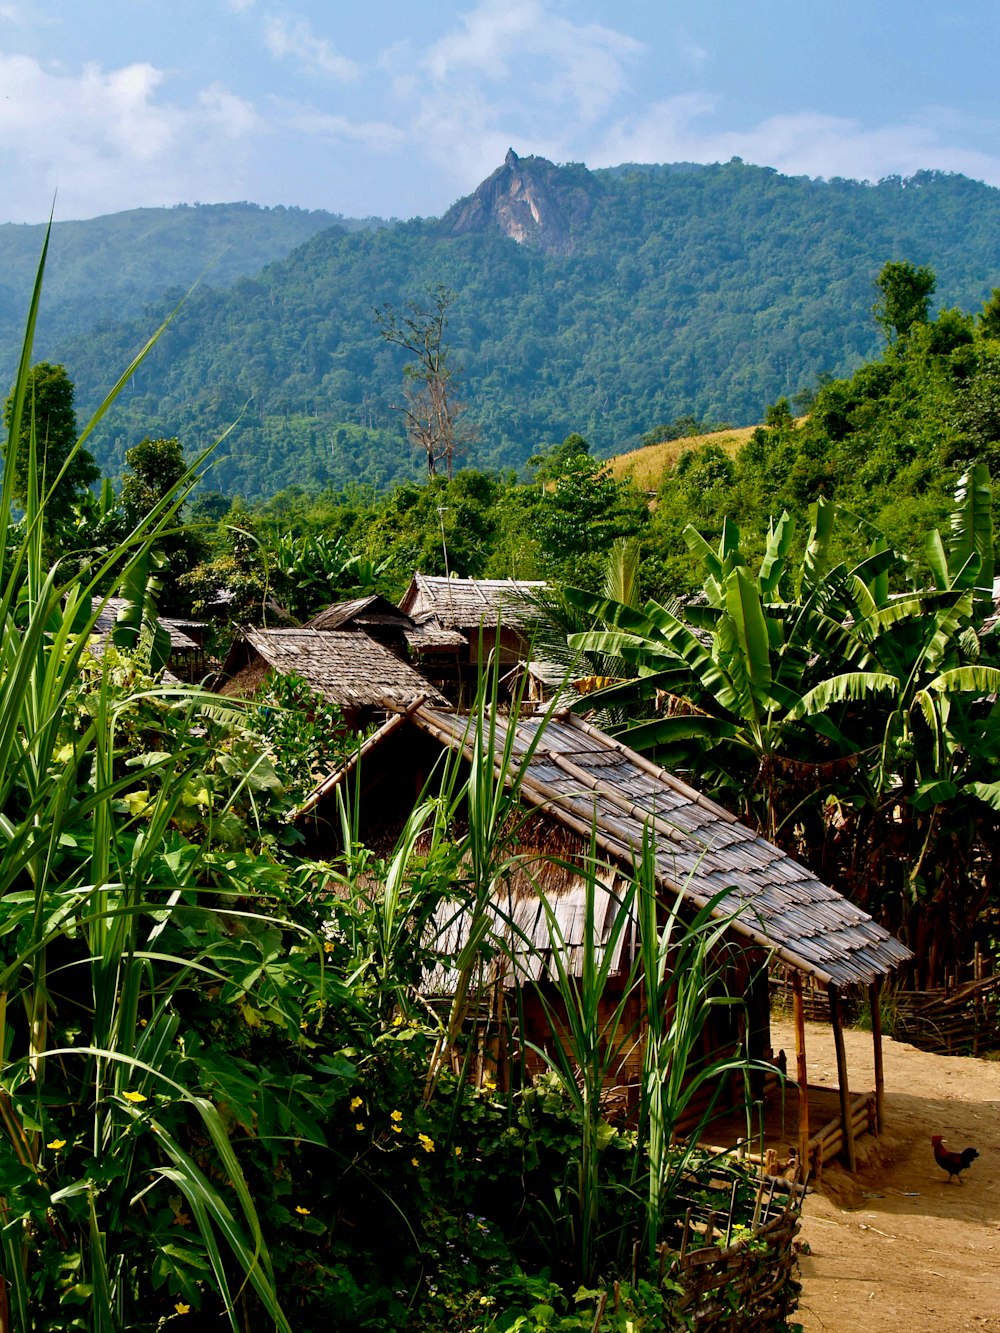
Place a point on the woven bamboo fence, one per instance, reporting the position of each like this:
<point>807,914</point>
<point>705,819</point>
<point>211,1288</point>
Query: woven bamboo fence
<point>960,1018</point>
<point>747,1286</point>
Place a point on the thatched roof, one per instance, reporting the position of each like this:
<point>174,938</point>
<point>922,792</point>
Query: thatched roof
<point>361,611</point>
<point>469,603</point>
<point>346,667</point>
<point>179,641</point>
<point>586,781</point>
<point>427,635</point>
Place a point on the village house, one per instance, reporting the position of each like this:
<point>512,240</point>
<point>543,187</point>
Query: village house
<point>588,791</point>
<point>347,668</point>
<point>484,618</point>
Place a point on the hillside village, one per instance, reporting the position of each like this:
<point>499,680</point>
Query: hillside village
<point>505,899</point>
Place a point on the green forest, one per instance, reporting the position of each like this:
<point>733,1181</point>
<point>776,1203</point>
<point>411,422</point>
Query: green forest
<point>686,291</point>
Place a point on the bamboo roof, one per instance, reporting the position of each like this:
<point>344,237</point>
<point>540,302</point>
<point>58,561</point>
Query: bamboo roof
<point>346,667</point>
<point>372,610</point>
<point>427,634</point>
<point>179,641</point>
<point>469,603</point>
<point>595,786</point>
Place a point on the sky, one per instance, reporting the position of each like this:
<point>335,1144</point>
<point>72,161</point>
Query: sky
<point>396,108</point>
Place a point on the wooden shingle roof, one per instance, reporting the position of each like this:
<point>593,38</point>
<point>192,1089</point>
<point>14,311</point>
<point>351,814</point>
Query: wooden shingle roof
<point>588,781</point>
<point>346,667</point>
<point>362,611</point>
<point>469,603</point>
<point>179,641</point>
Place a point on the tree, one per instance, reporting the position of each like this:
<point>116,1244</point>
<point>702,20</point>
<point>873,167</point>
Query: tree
<point>154,469</point>
<point>48,411</point>
<point>431,410</point>
<point>904,296</point>
<point>989,317</point>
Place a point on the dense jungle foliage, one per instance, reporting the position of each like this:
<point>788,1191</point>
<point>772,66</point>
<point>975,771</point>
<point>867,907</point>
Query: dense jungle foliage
<point>706,291</point>
<point>108,269</point>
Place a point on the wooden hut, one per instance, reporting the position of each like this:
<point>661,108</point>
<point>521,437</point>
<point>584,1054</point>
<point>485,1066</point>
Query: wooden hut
<point>186,660</point>
<point>588,790</point>
<point>492,616</point>
<point>375,616</point>
<point>363,678</point>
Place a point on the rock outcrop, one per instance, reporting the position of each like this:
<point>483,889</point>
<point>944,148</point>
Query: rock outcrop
<point>529,199</point>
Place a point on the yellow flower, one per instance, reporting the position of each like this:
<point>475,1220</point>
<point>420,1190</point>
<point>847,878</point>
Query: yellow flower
<point>328,946</point>
<point>355,1103</point>
<point>56,1144</point>
<point>398,1021</point>
<point>304,1212</point>
<point>396,1129</point>
<point>359,1126</point>
<point>134,1097</point>
<point>181,1308</point>
<point>426,1142</point>
<point>396,1115</point>
<point>414,1162</point>
<point>458,1152</point>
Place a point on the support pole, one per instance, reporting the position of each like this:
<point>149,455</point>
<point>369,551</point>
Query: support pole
<point>845,1092</point>
<point>800,1072</point>
<point>874,1004</point>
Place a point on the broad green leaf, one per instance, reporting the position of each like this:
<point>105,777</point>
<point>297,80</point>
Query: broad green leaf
<point>744,606</point>
<point>852,685</point>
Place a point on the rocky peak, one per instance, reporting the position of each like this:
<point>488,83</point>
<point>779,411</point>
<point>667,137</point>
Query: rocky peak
<point>531,200</point>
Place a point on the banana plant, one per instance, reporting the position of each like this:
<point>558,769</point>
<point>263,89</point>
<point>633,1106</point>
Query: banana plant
<point>743,702</point>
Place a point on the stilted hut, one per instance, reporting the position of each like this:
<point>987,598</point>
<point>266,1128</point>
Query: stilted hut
<point>492,616</point>
<point>187,659</point>
<point>589,791</point>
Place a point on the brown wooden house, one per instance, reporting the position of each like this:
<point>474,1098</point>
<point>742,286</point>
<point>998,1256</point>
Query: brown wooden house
<point>187,660</point>
<point>483,617</point>
<point>588,790</point>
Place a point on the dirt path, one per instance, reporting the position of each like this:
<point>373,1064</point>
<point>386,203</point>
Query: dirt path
<point>897,1246</point>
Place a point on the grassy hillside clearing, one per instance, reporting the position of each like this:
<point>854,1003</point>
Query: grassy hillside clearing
<point>647,466</point>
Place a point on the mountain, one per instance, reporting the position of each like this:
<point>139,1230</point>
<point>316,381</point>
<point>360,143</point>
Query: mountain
<point>602,302</point>
<point>109,269</point>
<point>529,200</point>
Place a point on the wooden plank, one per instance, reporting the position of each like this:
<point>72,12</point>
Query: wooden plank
<point>874,1003</point>
<point>845,1094</point>
<point>801,1072</point>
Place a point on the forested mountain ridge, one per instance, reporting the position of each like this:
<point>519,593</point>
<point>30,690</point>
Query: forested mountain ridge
<point>676,290</point>
<point>109,269</point>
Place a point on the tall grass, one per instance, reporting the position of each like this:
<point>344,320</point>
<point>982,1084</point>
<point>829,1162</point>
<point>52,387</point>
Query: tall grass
<point>84,895</point>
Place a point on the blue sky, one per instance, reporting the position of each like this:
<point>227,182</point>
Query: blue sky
<point>398,107</point>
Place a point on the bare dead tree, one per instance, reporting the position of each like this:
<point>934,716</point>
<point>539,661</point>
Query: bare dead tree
<point>431,410</point>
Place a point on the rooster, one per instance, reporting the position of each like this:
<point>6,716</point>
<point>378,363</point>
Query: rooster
<point>952,1162</point>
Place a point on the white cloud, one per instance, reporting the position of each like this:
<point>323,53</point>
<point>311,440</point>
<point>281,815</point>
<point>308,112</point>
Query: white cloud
<point>376,135</point>
<point>801,143</point>
<point>295,39</point>
<point>506,41</point>
<point>104,140</point>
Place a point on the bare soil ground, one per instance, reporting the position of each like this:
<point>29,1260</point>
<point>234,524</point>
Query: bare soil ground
<point>898,1246</point>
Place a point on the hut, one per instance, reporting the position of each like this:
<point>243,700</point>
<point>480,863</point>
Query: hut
<point>587,790</point>
<point>493,617</point>
<point>374,615</point>
<point>186,660</point>
<point>363,678</point>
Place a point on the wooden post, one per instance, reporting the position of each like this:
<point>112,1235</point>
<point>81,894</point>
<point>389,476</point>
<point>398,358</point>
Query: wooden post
<point>845,1092</point>
<point>874,1003</point>
<point>800,1071</point>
